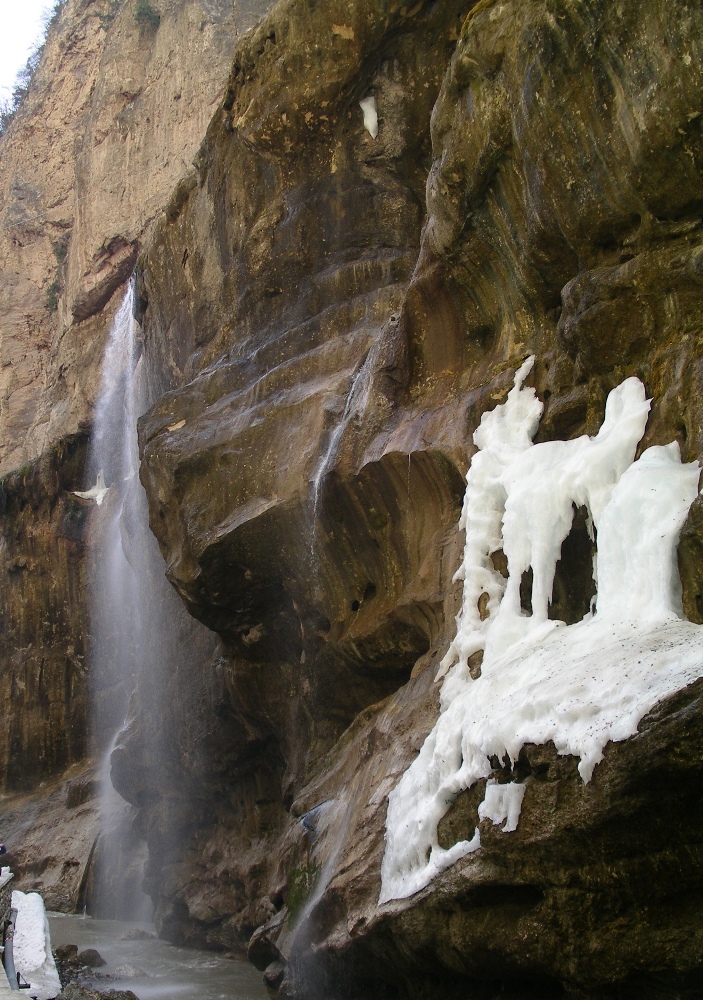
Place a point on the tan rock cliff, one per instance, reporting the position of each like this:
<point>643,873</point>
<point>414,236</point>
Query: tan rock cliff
<point>114,115</point>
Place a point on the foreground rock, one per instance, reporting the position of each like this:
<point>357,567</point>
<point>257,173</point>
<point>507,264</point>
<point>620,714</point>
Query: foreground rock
<point>75,991</point>
<point>593,894</point>
<point>90,957</point>
<point>50,836</point>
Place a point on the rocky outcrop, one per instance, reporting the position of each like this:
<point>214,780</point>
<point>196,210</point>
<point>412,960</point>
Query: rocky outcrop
<point>596,894</point>
<point>318,620</point>
<point>50,835</point>
<point>331,349</point>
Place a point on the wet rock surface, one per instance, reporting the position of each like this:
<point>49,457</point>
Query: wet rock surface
<point>79,979</point>
<point>91,958</point>
<point>305,482</point>
<point>326,316</point>
<point>78,991</point>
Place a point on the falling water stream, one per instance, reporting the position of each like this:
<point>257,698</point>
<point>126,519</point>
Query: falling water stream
<point>119,603</point>
<point>330,452</point>
<point>136,644</point>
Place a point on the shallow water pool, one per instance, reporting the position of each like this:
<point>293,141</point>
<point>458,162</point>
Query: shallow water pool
<point>154,969</point>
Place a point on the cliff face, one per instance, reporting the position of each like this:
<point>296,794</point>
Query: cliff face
<point>328,311</point>
<point>333,349</point>
<point>278,314</point>
<point>115,113</point>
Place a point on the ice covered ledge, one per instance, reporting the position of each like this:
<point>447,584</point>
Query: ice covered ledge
<point>579,686</point>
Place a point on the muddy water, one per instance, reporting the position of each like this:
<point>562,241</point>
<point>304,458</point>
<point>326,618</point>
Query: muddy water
<point>153,969</point>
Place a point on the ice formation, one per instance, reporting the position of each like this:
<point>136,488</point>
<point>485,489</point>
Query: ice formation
<point>32,946</point>
<point>580,685</point>
<point>368,106</point>
<point>502,804</point>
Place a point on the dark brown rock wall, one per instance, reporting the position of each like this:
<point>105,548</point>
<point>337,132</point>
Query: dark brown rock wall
<point>273,272</point>
<point>44,687</point>
<point>332,344</point>
<point>297,314</point>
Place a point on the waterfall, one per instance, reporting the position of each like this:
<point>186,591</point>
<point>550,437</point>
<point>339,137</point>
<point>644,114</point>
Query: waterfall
<point>113,597</point>
<point>143,646</point>
<point>335,437</point>
<point>119,605</point>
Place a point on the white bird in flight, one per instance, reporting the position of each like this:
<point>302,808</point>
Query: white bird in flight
<point>97,492</point>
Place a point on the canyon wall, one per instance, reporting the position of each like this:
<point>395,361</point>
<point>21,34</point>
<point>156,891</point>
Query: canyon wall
<point>115,113</point>
<point>340,338</point>
<point>326,314</point>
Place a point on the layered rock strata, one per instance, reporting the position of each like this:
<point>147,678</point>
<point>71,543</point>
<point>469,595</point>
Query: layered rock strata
<point>338,347</point>
<point>327,313</point>
<point>114,115</point>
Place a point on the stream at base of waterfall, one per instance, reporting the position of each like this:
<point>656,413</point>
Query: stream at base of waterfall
<point>154,969</point>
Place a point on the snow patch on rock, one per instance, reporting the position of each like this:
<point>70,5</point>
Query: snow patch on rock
<point>580,686</point>
<point>32,946</point>
<point>370,112</point>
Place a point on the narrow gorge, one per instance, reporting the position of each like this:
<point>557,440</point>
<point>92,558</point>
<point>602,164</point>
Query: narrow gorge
<point>402,694</point>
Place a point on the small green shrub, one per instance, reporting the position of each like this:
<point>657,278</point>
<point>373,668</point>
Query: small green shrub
<point>110,14</point>
<point>11,106</point>
<point>52,296</point>
<point>146,15</point>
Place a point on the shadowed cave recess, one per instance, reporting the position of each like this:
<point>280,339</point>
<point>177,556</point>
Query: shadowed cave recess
<point>326,319</point>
